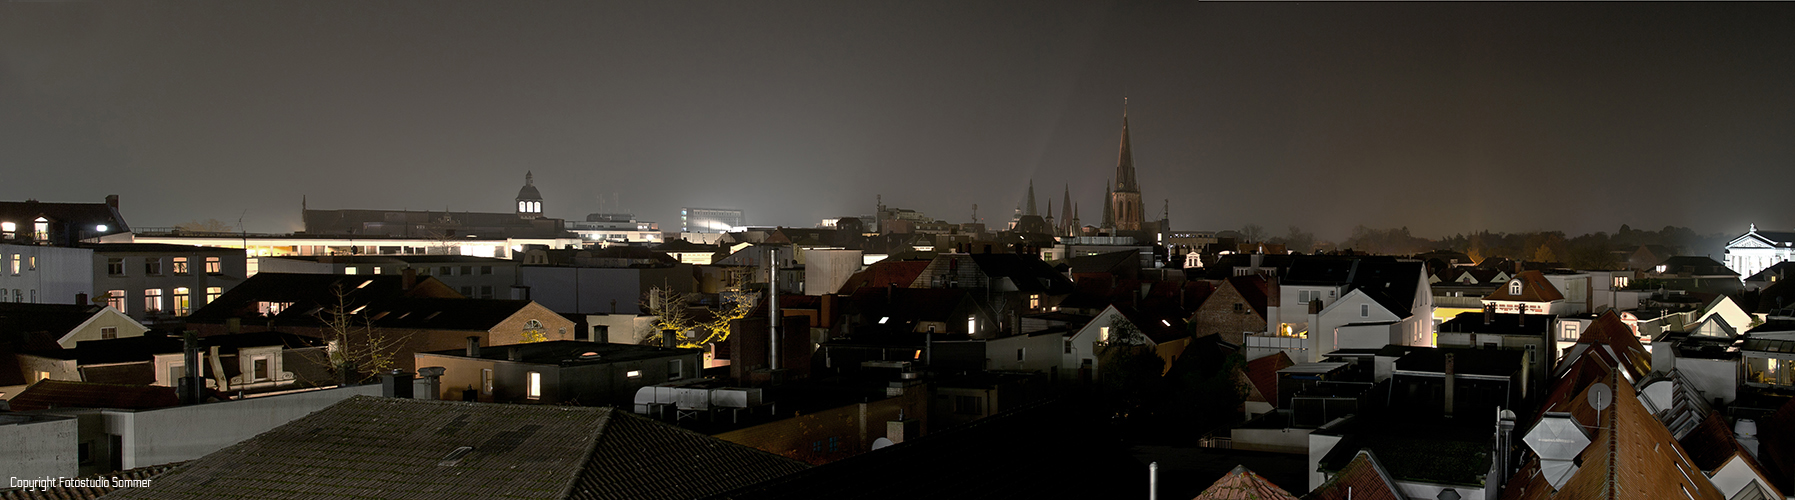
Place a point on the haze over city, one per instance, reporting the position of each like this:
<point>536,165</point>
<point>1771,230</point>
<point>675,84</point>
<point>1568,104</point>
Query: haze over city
<point>1444,118</point>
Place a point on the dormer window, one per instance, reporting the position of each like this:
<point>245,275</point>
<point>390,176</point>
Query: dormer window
<point>1514,287</point>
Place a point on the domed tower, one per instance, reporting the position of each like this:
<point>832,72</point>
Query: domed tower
<point>529,201</point>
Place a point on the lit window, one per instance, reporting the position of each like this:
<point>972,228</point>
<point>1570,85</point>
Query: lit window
<point>183,302</point>
<point>180,266</point>
<point>152,300</point>
<point>214,266</point>
<point>1034,301</point>
<point>116,300</point>
<point>883,319</point>
<point>33,261</point>
<point>972,325</point>
<point>633,374</point>
<point>364,284</point>
<point>376,269</point>
<point>349,270</point>
<point>1103,334</point>
<point>486,381</point>
<point>42,230</point>
<point>18,262</point>
<point>535,389</point>
<point>1514,287</point>
<point>212,293</point>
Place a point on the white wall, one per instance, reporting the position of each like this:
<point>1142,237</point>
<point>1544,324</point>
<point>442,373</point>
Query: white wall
<point>1039,353</point>
<point>1716,378</point>
<point>180,433</point>
<point>61,273</point>
<point>1289,440</point>
<point>46,446</point>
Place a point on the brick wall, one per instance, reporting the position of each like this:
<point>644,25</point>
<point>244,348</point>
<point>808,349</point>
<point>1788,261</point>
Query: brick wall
<point>1219,315</point>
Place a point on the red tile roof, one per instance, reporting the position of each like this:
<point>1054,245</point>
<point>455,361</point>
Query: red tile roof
<point>1534,288</point>
<point>885,273</point>
<point>46,394</point>
<point>1361,479</point>
<point>1263,373</point>
<point>1609,330</point>
<point>1776,444</point>
<point>1243,484</point>
<point>1630,456</point>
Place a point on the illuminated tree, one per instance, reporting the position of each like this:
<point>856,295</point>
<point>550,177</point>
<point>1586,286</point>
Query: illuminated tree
<point>672,314</point>
<point>1544,254</point>
<point>355,349</point>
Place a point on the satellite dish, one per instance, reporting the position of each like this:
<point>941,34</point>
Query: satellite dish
<point>1600,396</point>
<point>881,443</point>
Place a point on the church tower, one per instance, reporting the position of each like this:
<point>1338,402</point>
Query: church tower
<point>1125,201</point>
<point>529,201</point>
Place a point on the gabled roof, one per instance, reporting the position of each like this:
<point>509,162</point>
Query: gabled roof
<point>1776,272</point>
<point>1608,330</point>
<point>1363,478</point>
<point>407,448</point>
<point>1534,288</point>
<point>1630,455</point>
<point>1712,444</point>
<point>1253,289</point>
<point>1027,272</point>
<point>1263,373</point>
<point>46,394</point>
<point>883,274</point>
<point>1393,284</point>
<point>1243,484</point>
<point>124,350</point>
<point>85,216</point>
<point>683,246</point>
<point>1158,326</point>
<point>18,319</point>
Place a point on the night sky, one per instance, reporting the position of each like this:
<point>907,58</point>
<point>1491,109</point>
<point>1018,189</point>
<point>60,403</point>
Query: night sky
<point>1439,117</point>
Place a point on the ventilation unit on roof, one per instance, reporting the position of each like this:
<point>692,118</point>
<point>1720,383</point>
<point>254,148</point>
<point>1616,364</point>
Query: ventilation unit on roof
<point>1558,439</point>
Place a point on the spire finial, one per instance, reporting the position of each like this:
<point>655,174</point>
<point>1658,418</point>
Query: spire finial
<point>529,178</point>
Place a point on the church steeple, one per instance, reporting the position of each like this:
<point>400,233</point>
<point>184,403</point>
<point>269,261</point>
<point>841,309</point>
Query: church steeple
<point>1066,212</point>
<point>1125,211</point>
<point>1125,162</point>
<point>1031,199</point>
<point>1109,212</point>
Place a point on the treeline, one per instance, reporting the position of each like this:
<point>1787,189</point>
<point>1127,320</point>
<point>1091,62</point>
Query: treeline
<point>1599,250</point>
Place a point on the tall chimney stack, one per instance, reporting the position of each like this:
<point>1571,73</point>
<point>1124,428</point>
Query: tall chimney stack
<point>408,278</point>
<point>473,346</point>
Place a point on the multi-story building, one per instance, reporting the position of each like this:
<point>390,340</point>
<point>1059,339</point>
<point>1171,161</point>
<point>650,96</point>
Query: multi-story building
<point>710,220</point>
<point>1756,250</point>
<point>152,282</point>
<point>43,274</point>
<point>473,277</point>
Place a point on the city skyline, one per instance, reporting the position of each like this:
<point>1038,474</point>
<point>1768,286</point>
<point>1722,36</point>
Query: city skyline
<point>1443,118</point>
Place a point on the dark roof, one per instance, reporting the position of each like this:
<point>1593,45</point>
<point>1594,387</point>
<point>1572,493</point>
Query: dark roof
<point>1699,265</point>
<point>885,273</point>
<point>681,245</point>
<point>402,259</point>
<point>1320,270</point>
<point>1254,289</point>
<point>1029,273</point>
<point>261,339</point>
<point>124,350</point>
<point>1631,455</point>
<point>1112,262</point>
<point>406,448</point>
<point>431,313</point>
<point>1776,445</point>
<point>572,352</point>
<point>1494,362</point>
<point>1609,330</point>
<point>1159,326</point>
<point>17,319</point>
<point>908,305</point>
<point>80,215</point>
<point>308,292</point>
<point>46,394</point>
<point>1001,456</point>
<point>1442,453</point>
<point>166,248</point>
<point>1507,324</point>
<point>1777,236</point>
<point>1776,272</point>
<point>1393,284</point>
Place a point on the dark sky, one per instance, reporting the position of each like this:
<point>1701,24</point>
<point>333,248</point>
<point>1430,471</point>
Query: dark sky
<point>1439,117</point>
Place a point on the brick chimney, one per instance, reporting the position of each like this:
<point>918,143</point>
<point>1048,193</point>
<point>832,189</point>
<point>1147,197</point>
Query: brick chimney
<point>408,278</point>
<point>112,201</point>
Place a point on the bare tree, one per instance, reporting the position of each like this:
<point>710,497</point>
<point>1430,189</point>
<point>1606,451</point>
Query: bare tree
<point>672,314</point>
<point>355,349</point>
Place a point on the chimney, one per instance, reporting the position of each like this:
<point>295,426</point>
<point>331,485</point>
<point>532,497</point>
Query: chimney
<point>1449,384</point>
<point>473,346</point>
<point>1505,434</point>
<point>1489,314</point>
<point>81,298</point>
<point>428,384</point>
<point>408,279</point>
<point>112,201</point>
<point>395,383</point>
<point>190,387</point>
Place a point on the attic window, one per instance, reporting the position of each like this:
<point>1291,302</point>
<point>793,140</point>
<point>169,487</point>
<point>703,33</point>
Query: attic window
<point>364,284</point>
<point>883,319</point>
<point>1164,322</point>
<point>454,457</point>
<point>1514,287</point>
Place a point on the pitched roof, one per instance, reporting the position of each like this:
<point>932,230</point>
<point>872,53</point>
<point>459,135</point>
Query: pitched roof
<point>885,273</point>
<point>1608,330</point>
<point>1393,284</point>
<point>1534,288</point>
<point>1699,265</point>
<point>1630,455</point>
<point>1363,478</point>
<point>1158,326</point>
<point>46,394</point>
<point>1027,272</point>
<point>1253,289</point>
<point>1712,444</point>
<point>1243,484</point>
<point>1111,262</point>
<point>308,292</point>
<point>407,448</point>
<point>17,319</point>
<point>1263,373</point>
<point>82,215</point>
<point>1776,445</point>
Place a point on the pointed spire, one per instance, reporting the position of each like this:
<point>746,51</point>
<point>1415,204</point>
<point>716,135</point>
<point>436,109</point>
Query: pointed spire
<point>1066,207</point>
<point>530,177</point>
<point>1109,212</point>
<point>1031,199</point>
<point>1125,159</point>
<point>1049,212</point>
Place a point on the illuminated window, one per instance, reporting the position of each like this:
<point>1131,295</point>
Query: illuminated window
<point>1103,334</point>
<point>535,388</point>
<point>349,270</point>
<point>1514,287</point>
<point>180,266</point>
<point>42,230</point>
<point>33,261</point>
<point>972,325</point>
<point>18,262</point>
<point>214,266</point>
<point>152,300</point>
<point>1034,301</point>
<point>486,381</point>
<point>116,300</point>
<point>376,269</point>
<point>1621,281</point>
<point>8,228</point>
<point>183,302</point>
<point>212,293</point>
<point>633,374</point>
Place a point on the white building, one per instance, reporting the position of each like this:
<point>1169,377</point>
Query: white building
<point>1756,250</point>
<point>41,274</point>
